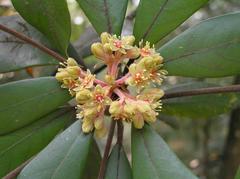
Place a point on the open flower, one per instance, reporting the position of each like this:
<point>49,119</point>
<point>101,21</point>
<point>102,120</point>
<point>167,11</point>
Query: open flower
<point>147,70</point>
<point>146,50</point>
<point>92,105</point>
<point>117,44</point>
<point>69,74</point>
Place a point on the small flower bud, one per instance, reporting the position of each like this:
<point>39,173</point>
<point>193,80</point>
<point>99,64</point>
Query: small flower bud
<point>108,48</point>
<point>109,79</point>
<point>90,113</point>
<point>129,40</point>
<point>87,125</point>
<point>151,95</point>
<point>147,63</point>
<point>97,50</point>
<point>98,123</point>
<point>71,62</point>
<point>138,123</point>
<point>133,53</point>
<point>157,59</point>
<point>73,71</point>
<point>144,107</point>
<point>150,116</point>
<point>83,96</point>
<point>129,109</point>
<point>105,37</point>
<point>61,75</point>
<point>115,108</point>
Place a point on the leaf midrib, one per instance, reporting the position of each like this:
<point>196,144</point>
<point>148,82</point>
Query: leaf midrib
<point>149,155</point>
<point>106,13</point>
<point>155,19</point>
<point>194,52</point>
<point>64,158</point>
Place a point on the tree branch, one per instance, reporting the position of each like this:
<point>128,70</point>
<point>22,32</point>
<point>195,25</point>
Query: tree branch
<point>13,174</point>
<point>32,42</point>
<point>201,91</point>
<point>106,150</point>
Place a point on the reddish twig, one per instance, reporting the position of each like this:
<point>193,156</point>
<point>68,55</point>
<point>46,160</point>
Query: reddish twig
<point>201,91</point>
<point>32,42</point>
<point>119,132</point>
<point>16,171</point>
<point>106,150</point>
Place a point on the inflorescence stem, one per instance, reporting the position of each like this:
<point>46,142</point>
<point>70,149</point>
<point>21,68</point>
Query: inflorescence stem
<point>123,79</point>
<point>201,91</point>
<point>32,42</point>
<point>107,150</point>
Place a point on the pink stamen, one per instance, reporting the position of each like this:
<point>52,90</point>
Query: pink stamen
<point>138,77</point>
<point>99,98</point>
<point>117,43</point>
<point>144,52</point>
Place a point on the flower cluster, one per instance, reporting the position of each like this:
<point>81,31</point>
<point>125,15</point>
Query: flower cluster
<point>93,96</point>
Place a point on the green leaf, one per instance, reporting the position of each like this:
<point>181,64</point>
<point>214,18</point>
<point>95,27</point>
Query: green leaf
<point>198,107</point>
<point>209,49</point>
<point>25,101</point>
<point>22,144</point>
<point>152,158</point>
<point>105,15</point>
<point>15,54</point>
<point>49,17</point>
<point>118,166</point>
<point>238,174</point>
<point>93,162</point>
<point>65,157</point>
<point>157,18</point>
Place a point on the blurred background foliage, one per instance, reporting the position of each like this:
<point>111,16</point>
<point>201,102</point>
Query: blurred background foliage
<point>208,144</point>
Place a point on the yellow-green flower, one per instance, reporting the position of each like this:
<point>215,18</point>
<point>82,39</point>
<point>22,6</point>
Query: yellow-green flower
<point>113,48</point>
<point>69,74</point>
<point>92,105</point>
<point>85,83</point>
<point>146,50</point>
<point>117,110</point>
<point>114,43</point>
<point>145,71</point>
<point>135,111</point>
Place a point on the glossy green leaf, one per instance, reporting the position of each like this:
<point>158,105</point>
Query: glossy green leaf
<point>118,166</point>
<point>105,15</point>
<point>93,162</point>
<point>152,158</point>
<point>238,174</point>
<point>157,18</point>
<point>49,17</point>
<point>65,157</point>
<point>22,144</point>
<point>209,49</point>
<point>199,107</point>
<point>25,101</point>
<point>15,54</point>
